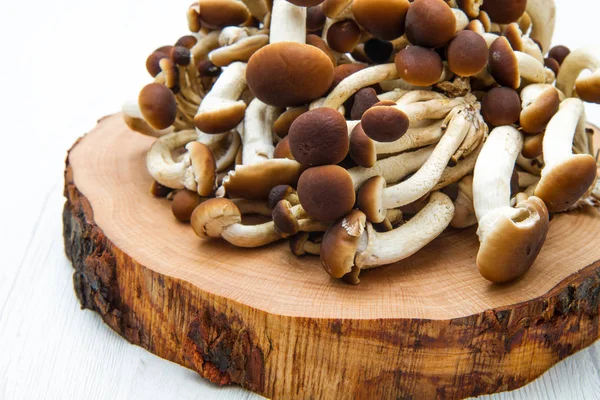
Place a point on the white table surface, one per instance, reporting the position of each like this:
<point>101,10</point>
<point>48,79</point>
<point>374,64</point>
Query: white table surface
<point>64,64</point>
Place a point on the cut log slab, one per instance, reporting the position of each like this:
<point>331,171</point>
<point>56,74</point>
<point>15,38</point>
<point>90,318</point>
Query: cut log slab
<point>424,328</point>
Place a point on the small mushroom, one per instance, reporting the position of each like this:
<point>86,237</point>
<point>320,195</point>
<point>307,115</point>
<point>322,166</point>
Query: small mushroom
<point>430,23</point>
<point>184,203</point>
<point>501,106</point>
<point>566,177</point>
<point>539,102</point>
<point>301,244</point>
<point>559,53</point>
<point>505,11</point>
<point>315,18</point>
<point>467,54</point>
<point>282,124</point>
<point>588,87</point>
<point>222,110</point>
<point>352,244</point>
<point>218,14</point>
<point>283,192</point>
<point>384,19</point>
<point>470,7</point>
<point>533,146</point>
<point>510,238</point>
<point>419,66</point>
<point>343,36</point>
<point>157,106</point>
<point>522,43</point>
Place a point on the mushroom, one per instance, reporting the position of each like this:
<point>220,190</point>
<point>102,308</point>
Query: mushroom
<point>221,218</point>
<point>222,110</point>
<point>510,238</point>
<point>505,11</point>
<point>352,245</point>
<point>136,122</point>
<point>543,19</point>
<point>539,102</point>
<point>184,203</point>
<point>384,19</point>
<point>519,42</point>
<point>282,124</point>
<point>343,36</point>
<point>566,177</point>
<point>217,14</point>
<point>423,181</point>
<point>315,18</point>
<point>301,244</point>
<point>467,54</point>
<point>532,146</point>
<point>430,23</point>
<point>419,66</point>
<point>501,106</point>
<point>157,108</point>
<point>288,72</point>
<point>257,141</point>
<point>464,214</point>
<point>470,7</point>
<point>559,53</point>
<point>588,87</point>
<point>508,66</point>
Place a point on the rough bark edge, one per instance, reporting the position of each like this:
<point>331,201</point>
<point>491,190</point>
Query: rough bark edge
<point>222,349</point>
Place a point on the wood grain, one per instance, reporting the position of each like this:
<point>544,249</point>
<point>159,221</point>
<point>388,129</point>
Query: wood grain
<point>428,327</point>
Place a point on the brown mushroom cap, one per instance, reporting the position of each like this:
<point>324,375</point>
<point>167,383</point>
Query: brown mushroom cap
<point>513,34</point>
<point>297,243</point>
<point>533,146</point>
<point>419,66</point>
<point>326,193</point>
<point>343,71</point>
<point>370,199</point>
<point>504,11</point>
<point>384,19</point>
<point>501,106</point>
<point>470,7</point>
<point>306,3</point>
<point>320,44</point>
<point>289,74</point>
<point>184,203</point>
<point>187,41</point>
<point>340,244</point>
<point>485,20</point>
<point>536,116</point>
<point>364,99</point>
<point>255,181</point>
<point>282,124</point>
<point>552,64</point>
<point>315,18</point>
<point>430,23</point>
<point>563,184</point>
<point>181,55</point>
<point>343,36</point>
<point>559,53</point>
<point>283,218</point>
<point>385,124</point>
<point>153,60</point>
<point>218,14</point>
<point>282,192</point>
<point>212,216</point>
<point>158,190</point>
<point>204,167</point>
<point>282,150</point>
<point>158,105</point>
<point>511,247</point>
<point>319,137</point>
<point>588,88</point>
<point>467,54</point>
<point>362,148</point>
<point>503,63</point>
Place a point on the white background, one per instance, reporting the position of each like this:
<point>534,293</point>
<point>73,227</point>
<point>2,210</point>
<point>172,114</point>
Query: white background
<point>64,64</point>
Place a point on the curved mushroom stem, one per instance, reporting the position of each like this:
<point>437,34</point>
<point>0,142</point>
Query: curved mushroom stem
<point>532,70</point>
<point>206,43</point>
<point>409,238</point>
<point>464,214</point>
<point>225,149</point>
<point>566,177</point>
<point>511,238</point>
<point>288,23</point>
<point>576,62</point>
<point>258,132</point>
<point>463,168</point>
<point>414,138</point>
<point>426,178</point>
<point>238,44</point>
<point>160,163</point>
<point>543,18</point>
<point>355,82</point>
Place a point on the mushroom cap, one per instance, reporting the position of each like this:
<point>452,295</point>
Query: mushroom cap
<point>343,36</point>
<point>282,124</point>
<point>385,124</point>
<point>204,167</point>
<point>343,71</point>
<point>282,150</point>
<point>467,54</point>
<point>565,183</point>
<point>470,7</point>
<point>419,66</point>
<point>536,116</point>
<point>284,219</point>
<point>370,199</point>
<point>504,11</point>
<point>362,148</point>
<point>211,217</point>
<point>364,99</point>
<point>218,14</point>
<point>297,243</point>
<point>306,3</point>
<point>225,116</point>
<point>378,51</point>
<point>279,193</point>
<point>552,64</point>
<point>485,20</point>
<point>513,241</point>
<point>503,63</point>
<point>533,146</point>
<point>513,34</point>
<point>315,18</point>
<point>326,193</point>
<point>158,190</point>
<point>158,105</point>
<point>319,137</point>
<point>187,41</point>
<point>153,60</point>
<point>384,19</point>
<point>184,203</point>
<point>320,44</point>
<point>588,88</point>
<point>559,53</point>
<point>340,244</point>
<point>254,182</point>
<point>501,106</point>
<point>430,23</point>
<point>181,55</point>
<point>288,74</point>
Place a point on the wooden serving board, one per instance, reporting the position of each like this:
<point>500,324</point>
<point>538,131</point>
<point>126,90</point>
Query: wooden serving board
<point>427,327</point>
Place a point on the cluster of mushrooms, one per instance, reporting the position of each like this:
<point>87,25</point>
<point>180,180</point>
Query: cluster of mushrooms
<point>363,129</point>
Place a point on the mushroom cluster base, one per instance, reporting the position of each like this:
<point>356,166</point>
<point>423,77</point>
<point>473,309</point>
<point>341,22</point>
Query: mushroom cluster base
<point>430,327</point>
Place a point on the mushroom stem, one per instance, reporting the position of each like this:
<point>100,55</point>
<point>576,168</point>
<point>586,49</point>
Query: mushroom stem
<point>463,168</point>
<point>161,165</point>
<point>464,214</point>
<point>558,140</point>
<point>532,70</point>
<point>409,238</point>
<point>258,132</point>
<point>576,62</point>
<point>543,18</point>
<point>288,23</point>
<point>414,138</point>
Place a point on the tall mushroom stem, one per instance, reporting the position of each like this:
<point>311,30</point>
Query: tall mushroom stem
<point>576,62</point>
<point>511,238</point>
<point>258,132</point>
<point>288,23</point>
<point>543,18</point>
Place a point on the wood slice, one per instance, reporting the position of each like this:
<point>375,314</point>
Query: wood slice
<point>427,327</point>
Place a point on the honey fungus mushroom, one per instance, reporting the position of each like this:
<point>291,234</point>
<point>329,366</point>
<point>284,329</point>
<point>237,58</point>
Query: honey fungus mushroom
<point>288,72</point>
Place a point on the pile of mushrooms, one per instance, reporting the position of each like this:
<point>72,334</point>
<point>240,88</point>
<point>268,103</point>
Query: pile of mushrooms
<point>361,130</point>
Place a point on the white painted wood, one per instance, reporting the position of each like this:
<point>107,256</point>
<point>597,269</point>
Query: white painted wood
<point>65,63</point>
